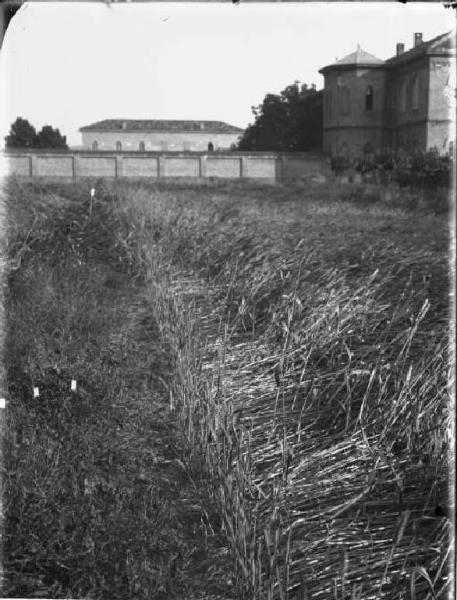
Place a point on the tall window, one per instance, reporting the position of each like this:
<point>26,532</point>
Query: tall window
<point>369,98</point>
<point>142,147</point>
<point>415,90</point>
<point>95,146</point>
<point>345,100</point>
<point>403,92</point>
<point>118,146</point>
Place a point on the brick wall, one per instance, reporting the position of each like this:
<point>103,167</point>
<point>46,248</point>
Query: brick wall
<point>46,166</point>
<point>140,167</point>
<point>93,166</point>
<point>262,166</point>
<point>223,167</point>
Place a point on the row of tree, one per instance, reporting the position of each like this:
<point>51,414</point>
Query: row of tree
<point>288,121</point>
<point>24,135</point>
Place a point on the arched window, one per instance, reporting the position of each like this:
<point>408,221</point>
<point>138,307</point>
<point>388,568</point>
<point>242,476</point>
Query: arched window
<point>369,98</point>
<point>403,96</point>
<point>142,147</point>
<point>415,90</point>
<point>118,146</point>
<point>345,100</point>
<point>95,146</point>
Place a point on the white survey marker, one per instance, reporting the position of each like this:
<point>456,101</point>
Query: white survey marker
<point>92,192</point>
<point>36,392</point>
<point>73,385</point>
<point>2,403</point>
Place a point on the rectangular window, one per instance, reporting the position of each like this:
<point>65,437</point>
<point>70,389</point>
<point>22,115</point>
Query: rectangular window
<point>403,93</point>
<point>369,98</point>
<point>415,92</point>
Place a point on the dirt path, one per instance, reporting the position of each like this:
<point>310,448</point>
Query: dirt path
<point>97,503</point>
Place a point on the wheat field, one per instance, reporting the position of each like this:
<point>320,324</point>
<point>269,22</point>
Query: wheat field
<point>263,405</point>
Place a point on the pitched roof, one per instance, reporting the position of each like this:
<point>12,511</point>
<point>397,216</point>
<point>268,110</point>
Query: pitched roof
<point>441,44</point>
<point>359,57</point>
<point>161,125</point>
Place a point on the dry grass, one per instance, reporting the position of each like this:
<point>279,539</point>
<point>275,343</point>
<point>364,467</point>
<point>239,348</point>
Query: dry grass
<point>307,370</point>
<point>310,342</point>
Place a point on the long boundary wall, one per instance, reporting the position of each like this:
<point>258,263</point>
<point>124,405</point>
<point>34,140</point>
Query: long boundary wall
<point>193,165</point>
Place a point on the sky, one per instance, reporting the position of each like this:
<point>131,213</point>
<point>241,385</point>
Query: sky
<point>70,64</point>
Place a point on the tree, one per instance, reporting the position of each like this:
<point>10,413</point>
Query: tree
<point>290,121</point>
<point>22,134</point>
<point>50,138</point>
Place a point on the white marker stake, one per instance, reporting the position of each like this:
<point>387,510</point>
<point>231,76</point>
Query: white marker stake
<point>36,392</point>
<point>92,196</point>
<point>2,403</point>
<point>73,385</point>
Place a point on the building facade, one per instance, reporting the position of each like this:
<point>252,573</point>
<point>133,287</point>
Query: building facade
<point>406,102</point>
<point>159,135</point>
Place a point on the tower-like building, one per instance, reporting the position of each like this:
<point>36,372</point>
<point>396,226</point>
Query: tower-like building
<point>405,102</point>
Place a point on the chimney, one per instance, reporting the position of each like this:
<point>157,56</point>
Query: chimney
<point>400,49</point>
<point>417,39</point>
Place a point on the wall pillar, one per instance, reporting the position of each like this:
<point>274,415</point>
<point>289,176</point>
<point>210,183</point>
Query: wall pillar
<point>76,166</point>
<point>162,166</point>
<point>281,167</point>
<point>119,169</point>
<point>33,165</point>
<point>203,165</point>
<point>244,166</point>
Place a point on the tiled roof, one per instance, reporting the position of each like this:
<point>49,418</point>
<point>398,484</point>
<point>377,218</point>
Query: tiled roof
<point>359,57</point>
<point>161,125</point>
<point>444,43</point>
<point>441,43</point>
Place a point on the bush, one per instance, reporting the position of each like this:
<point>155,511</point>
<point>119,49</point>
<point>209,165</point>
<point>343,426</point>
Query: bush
<point>419,171</point>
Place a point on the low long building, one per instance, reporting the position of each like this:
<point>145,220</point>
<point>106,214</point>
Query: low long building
<point>159,135</point>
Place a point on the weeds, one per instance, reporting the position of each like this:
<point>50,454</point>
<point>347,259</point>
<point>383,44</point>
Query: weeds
<point>302,350</point>
<point>310,381</point>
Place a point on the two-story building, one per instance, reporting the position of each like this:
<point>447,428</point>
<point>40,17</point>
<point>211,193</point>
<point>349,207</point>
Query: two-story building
<point>407,101</point>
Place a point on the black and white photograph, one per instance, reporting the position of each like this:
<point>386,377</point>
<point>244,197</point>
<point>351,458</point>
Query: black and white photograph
<point>227,323</point>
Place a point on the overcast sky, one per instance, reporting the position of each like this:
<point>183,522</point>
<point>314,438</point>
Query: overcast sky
<point>70,64</point>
